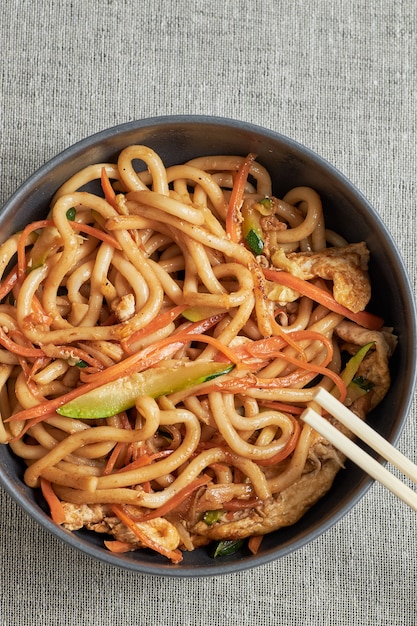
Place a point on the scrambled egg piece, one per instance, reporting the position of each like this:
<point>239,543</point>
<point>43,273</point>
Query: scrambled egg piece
<point>124,307</point>
<point>347,267</point>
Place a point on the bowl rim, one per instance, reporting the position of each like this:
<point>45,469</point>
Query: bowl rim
<point>318,529</point>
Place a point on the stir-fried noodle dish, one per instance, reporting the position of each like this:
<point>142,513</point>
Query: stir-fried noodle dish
<point>160,339</point>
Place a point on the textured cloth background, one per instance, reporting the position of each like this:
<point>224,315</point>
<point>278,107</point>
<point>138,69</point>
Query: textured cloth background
<point>337,75</point>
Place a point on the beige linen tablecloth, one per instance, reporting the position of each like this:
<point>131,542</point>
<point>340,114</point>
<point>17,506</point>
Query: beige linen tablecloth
<point>338,76</point>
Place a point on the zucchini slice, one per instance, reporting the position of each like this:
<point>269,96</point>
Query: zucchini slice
<point>120,395</point>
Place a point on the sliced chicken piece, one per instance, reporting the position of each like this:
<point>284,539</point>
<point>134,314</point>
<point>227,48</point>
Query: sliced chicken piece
<point>100,519</point>
<point>375,366</point>
<point>124,307</point>
<point>79,515</point>
<point>283,509</point>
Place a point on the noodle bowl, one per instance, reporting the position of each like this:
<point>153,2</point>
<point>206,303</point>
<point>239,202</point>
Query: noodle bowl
<point>224,304</point>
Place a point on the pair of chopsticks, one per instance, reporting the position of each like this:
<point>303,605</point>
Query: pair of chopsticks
<point>351,450</point>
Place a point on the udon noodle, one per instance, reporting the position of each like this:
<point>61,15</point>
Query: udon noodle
<point>186,315</point>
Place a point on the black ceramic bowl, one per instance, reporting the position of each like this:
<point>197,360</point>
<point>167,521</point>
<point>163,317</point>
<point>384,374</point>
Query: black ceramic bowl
<point>178,139</point>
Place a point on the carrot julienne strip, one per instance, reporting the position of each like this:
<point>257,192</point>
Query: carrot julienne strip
<point>85,228</point>
<point>144,459</point>
<point>203,325</point>
<point>272,346</point>
<point>16,348</point>
<point>80,354</point>
<point>221,347</point>
<point>288,448</point>
<point>176,500</point>
<point>38,315</point>
<point>236,198</point>
<point>54,503</point>
<point>270,383</point>
<point>115,453</point>
<point>21,244</point>
<point>160,321</point>
<point>8,283</point>
<point>97,234</point>
<point>120,511</point>
<point>26,369</point>
<point>118,547</point>
<point>284,408</point>
<point>109,193</point>
<point>29,423</point>
<point>119,447</point>
<point>39,363</point>
<point>237,504</point>
<point>254,543</point>
<point>363,318</point>
<point>250,381</point>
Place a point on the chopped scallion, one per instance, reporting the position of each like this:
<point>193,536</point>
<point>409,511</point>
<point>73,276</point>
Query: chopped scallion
<point>363,383</point>
<point>211,517</point>
<point>71,214</point>
<point>227,546</point>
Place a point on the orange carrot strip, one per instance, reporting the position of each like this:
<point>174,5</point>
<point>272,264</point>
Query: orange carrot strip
<point>32,386</point>
<point>21,244</point>
<point>16,348</point>
<point>54,503</point>
<point>288,448</point>
<point>363,318</point>
<point>236,198</point>
<point>285,408</point>
<point>270,383</point>
<point>145,459</point>
<point>203,325</point>
<point>240,385</point>
<point>117,450</point>
<point>89,230</point>
<point>237,504</point>
<point>221,347</point>
<point>174,555</point>
<point>8,283</point>
<point>39,315</point>
<point>125,421</point>
<point>118,547</point>
<point>177,499</point>
<point>272,346</point>
<point>97,234</point>
<point>109,193</point>
<point>79,353</point>
<point>160,321</point>
<point>115,453</point>
<point>137,362</point>
<point>38,364</point>
<point>29,423</point>
<point>254,543</point>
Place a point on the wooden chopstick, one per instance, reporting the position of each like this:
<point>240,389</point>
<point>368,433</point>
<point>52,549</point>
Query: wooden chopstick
<point>330,404</point>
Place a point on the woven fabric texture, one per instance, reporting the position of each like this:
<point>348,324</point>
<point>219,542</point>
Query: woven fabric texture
<point>339,76</point>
